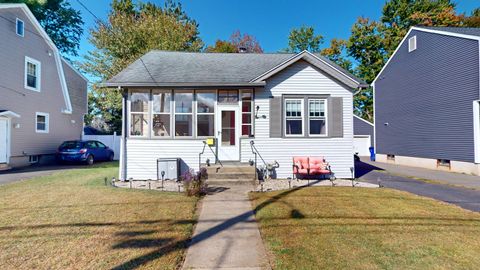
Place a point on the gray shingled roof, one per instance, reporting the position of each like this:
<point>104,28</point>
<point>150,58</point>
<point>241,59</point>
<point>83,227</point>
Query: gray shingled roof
<point>168,67</point>
<point>458,30</point>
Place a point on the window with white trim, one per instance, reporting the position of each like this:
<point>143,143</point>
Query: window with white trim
<point>139,113</point>
<point>32,74</point>
<point>206,113</point>
<point>293,117</point>
<point>247,113</point>
<point>317,117</point>
<point>42,122</point>
<point>19,27</point>
<point>412,44</point>
<point>161,103</point>
<point>184,113</point>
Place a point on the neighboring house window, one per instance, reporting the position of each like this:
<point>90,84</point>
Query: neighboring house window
<point>247,112</point>
<point>412,44</point>
<point>41,122</point>
<point>139,113</point>
<point>206,113</point>
<point>227,96</point>
<point>317,120</point>
<point>161,113</point>
<point>20,27</point>
<point>293,117</point>
<point>184,114</point>
<point>32,74</point>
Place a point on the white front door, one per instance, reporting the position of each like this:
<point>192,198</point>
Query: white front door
<point>228,133</point>
<point>3,140</point>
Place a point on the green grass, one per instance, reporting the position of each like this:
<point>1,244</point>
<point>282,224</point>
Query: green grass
<point>359,228</point>
<point>71,220</point>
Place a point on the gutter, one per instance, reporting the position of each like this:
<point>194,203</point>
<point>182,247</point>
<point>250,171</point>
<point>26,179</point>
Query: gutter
<point>179,85</point>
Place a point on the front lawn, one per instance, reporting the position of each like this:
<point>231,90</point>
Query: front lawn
<point>356,228</point>
<point>71,220</point>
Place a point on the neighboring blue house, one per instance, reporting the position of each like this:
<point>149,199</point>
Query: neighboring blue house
<point>426,101</point>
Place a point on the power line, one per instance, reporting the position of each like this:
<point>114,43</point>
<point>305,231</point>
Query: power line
<point>108,29</point>
<point>13,90</point>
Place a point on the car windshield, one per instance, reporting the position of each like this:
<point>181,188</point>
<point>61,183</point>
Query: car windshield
<point>71,145</point>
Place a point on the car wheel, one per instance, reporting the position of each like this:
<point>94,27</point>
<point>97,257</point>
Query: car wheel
<point>90,160</point>
<point>110,157</point>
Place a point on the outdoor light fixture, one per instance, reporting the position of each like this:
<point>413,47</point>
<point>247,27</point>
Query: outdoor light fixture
<point>256,111</point>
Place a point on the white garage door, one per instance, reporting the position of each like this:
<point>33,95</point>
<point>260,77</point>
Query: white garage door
<point>361,145</point>
<point>3,140</point>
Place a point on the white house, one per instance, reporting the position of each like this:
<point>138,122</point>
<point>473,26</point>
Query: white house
<point>288,104</point>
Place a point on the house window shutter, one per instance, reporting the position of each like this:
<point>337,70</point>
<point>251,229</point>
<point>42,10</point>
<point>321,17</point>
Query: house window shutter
<point>276,117</point>
<point>335,117</point>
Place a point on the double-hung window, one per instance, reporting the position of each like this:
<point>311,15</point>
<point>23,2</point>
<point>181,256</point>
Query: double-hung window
<point>32,74</point>
<point>317,121</point>
<point>247,112</point>
<point>293,117</point>
<point>139,113</point>
<point>206,113</point>
<point>41,122</point>
<point>184,114</point>
<point>161,103</point>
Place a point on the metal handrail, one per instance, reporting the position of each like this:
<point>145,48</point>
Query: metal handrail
<point>203,151</point>
<point>256,153</point>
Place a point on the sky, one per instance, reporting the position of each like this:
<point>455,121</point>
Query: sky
<point>270,21</point>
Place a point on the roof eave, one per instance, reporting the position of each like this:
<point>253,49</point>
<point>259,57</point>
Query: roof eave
<point>179,85</point>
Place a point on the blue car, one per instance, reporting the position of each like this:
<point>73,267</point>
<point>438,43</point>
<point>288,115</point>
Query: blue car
<point>84,151</point>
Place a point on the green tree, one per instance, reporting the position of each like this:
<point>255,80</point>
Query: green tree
<point>337,53</point>
<point>236,43</point>
<point>222,46</point>
<point>304,38</point>
<point>132,30</point>
<point>473,20</point>
<point>62,23</point>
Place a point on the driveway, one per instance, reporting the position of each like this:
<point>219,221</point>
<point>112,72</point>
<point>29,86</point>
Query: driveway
<point>373,172</point>
<point>24,173</point>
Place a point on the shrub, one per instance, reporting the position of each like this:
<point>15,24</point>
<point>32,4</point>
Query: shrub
<point>195,184</point>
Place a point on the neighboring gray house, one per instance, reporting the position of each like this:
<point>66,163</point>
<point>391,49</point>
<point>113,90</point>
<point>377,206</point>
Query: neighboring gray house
<point>42,98</point>
<point>426,101</point>
<point>363,136</point>
<point>288,104</point>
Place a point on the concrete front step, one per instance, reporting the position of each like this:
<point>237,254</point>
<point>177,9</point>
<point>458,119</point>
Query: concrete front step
<point>230,169</point>
<point>229,181</point>
<point>227,175</point>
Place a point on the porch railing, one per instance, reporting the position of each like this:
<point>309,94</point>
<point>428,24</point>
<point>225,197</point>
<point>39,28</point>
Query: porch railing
<point>256,153</point>
<point>203,151</point>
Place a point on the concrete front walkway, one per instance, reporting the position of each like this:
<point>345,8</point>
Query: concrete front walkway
<point>227,235</point>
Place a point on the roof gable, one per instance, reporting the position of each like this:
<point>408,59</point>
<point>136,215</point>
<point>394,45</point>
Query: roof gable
<point>327,66</point>
<point>448,31</point>
<point>56,53</point>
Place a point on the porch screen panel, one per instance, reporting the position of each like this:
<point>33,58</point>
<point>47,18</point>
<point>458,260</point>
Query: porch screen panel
<point>161,103</point>
<point>206,113</point>
<point>184,114</point>
<point>139,112</point>
<point>247,112</point>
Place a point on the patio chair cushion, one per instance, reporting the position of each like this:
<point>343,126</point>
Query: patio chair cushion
<point>318,165</point>
<point>300,165</point>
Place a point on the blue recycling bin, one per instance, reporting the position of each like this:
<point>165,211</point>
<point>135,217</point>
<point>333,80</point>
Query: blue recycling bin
<point>372,153</point>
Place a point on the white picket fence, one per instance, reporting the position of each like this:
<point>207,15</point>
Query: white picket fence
<point>112,141</point>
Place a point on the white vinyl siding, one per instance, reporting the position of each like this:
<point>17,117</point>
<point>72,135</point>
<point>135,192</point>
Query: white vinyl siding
<point>302,79</point>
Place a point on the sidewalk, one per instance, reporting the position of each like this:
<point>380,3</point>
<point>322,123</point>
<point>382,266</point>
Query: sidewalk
<point>449,178</point>
<point>227,235</point>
